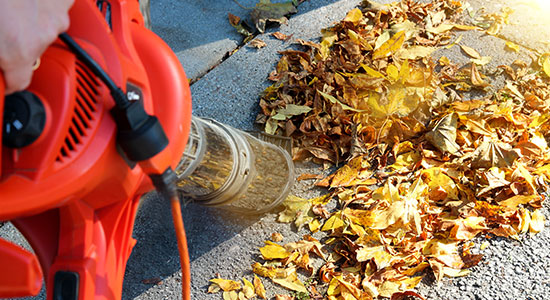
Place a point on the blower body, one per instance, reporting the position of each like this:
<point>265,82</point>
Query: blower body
<point>64,181</point>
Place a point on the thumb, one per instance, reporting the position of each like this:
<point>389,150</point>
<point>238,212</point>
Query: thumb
<point>17,79</point>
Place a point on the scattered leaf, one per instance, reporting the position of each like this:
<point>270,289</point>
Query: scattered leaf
<point>257,43</point>
<point>470,51</point>
<point>513,47</point>
<point>226,284</point>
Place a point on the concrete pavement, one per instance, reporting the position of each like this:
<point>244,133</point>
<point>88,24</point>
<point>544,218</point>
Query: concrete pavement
<point>227,243</point>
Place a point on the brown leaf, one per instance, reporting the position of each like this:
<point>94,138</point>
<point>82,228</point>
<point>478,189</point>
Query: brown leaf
<point>408,295</point>
<point>494,154</point>
<point>276,237</point>
<point>233,20</point>
<point>257,43</point>
<point>443,135</point>
<point>306,176</point>
<point>476,78</point>
<point>281,36</point>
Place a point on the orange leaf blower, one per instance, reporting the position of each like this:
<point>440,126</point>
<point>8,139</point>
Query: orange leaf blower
<point>105,120</point>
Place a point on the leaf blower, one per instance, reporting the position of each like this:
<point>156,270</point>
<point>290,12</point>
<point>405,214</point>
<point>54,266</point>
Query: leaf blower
<point>105,120</point>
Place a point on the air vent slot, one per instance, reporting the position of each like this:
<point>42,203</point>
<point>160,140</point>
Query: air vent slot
<point>84,114</point>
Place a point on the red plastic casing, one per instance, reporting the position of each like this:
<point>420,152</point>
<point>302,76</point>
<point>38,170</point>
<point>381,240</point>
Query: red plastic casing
<point>71,193</point>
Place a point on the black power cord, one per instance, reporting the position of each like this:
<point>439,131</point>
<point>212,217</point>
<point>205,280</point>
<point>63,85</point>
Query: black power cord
<point>139,134</point>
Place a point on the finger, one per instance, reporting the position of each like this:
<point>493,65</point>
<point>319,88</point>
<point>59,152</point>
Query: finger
<point>17,79</point>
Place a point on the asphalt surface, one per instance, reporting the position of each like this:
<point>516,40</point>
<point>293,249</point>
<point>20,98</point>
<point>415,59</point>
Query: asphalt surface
<point>227,89</point>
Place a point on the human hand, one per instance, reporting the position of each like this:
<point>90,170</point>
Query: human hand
<point>27,28</point>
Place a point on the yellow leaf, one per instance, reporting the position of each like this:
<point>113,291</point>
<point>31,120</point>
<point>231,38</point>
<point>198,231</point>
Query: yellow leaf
<point>388,288</point>
<point>296,209</point>
<point>259,287</point>
<point>393,72</point>
<point>455,272</point>
<point>525,220</point>
<point>465,27</point>
<point>484,245</point>
<point>396,102</point>
<point>537,222</point>
<point>406,160</point>
<point>226,285</point>
<point>415,52</point>
<point>546,66</point>
<point>336,101</point>
<point>539,120</point>
<point>381,39</point>
<point>454,43</point>
<point>354,16</point>
<point>441,28</point>
<point>381,257</point>
<point>232,295</point>
<point>404,72</point>
<point>273,251</point>
<point>436,179</point>
<point>470,51</point>
<point>333,287</point>
<point>482,61</point>
<point>264,271</point>
<point>372,72</point>
<point>512,46</point>
<point>291,282</point>
<point>248,289</point>
<point>444,61</point>
<point>390,46</point>
<point>321,199</point>
<point>515,201</point>
<point>476,78</point>
<point>333,222</point>
<point>346,286</point>
<point>314,225</point>
<point>214,288</point>
<point>494,28</point>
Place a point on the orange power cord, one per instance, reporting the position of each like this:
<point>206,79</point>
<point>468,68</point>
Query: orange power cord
<point>182,247</point>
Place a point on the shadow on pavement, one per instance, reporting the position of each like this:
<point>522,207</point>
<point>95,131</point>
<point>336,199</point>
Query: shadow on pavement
<point>155,255</point>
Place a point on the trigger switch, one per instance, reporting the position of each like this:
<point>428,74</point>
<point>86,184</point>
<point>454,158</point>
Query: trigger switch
<point>24,119</point>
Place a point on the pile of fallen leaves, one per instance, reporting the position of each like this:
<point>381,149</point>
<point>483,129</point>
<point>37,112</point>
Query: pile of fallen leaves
<point>426,169</point>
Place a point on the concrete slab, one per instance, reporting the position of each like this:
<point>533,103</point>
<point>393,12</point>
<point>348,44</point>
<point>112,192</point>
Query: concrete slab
<point>197,31</point>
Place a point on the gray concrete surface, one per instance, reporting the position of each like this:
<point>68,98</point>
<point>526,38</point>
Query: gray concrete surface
<point>227,243</point>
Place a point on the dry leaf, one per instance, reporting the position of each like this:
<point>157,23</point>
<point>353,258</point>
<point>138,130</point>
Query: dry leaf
<point>276,237</point>
<point>443,134</point>
<point>470,51</point>
<point>259,288</point>
<point>257,43</point>
<point>494,154</point>
<point>273,251</point>
<point>226,284</point>
<point>476,78</point>
<point>281,36</point>
<point>390,46</point>
<point>513,47</point>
